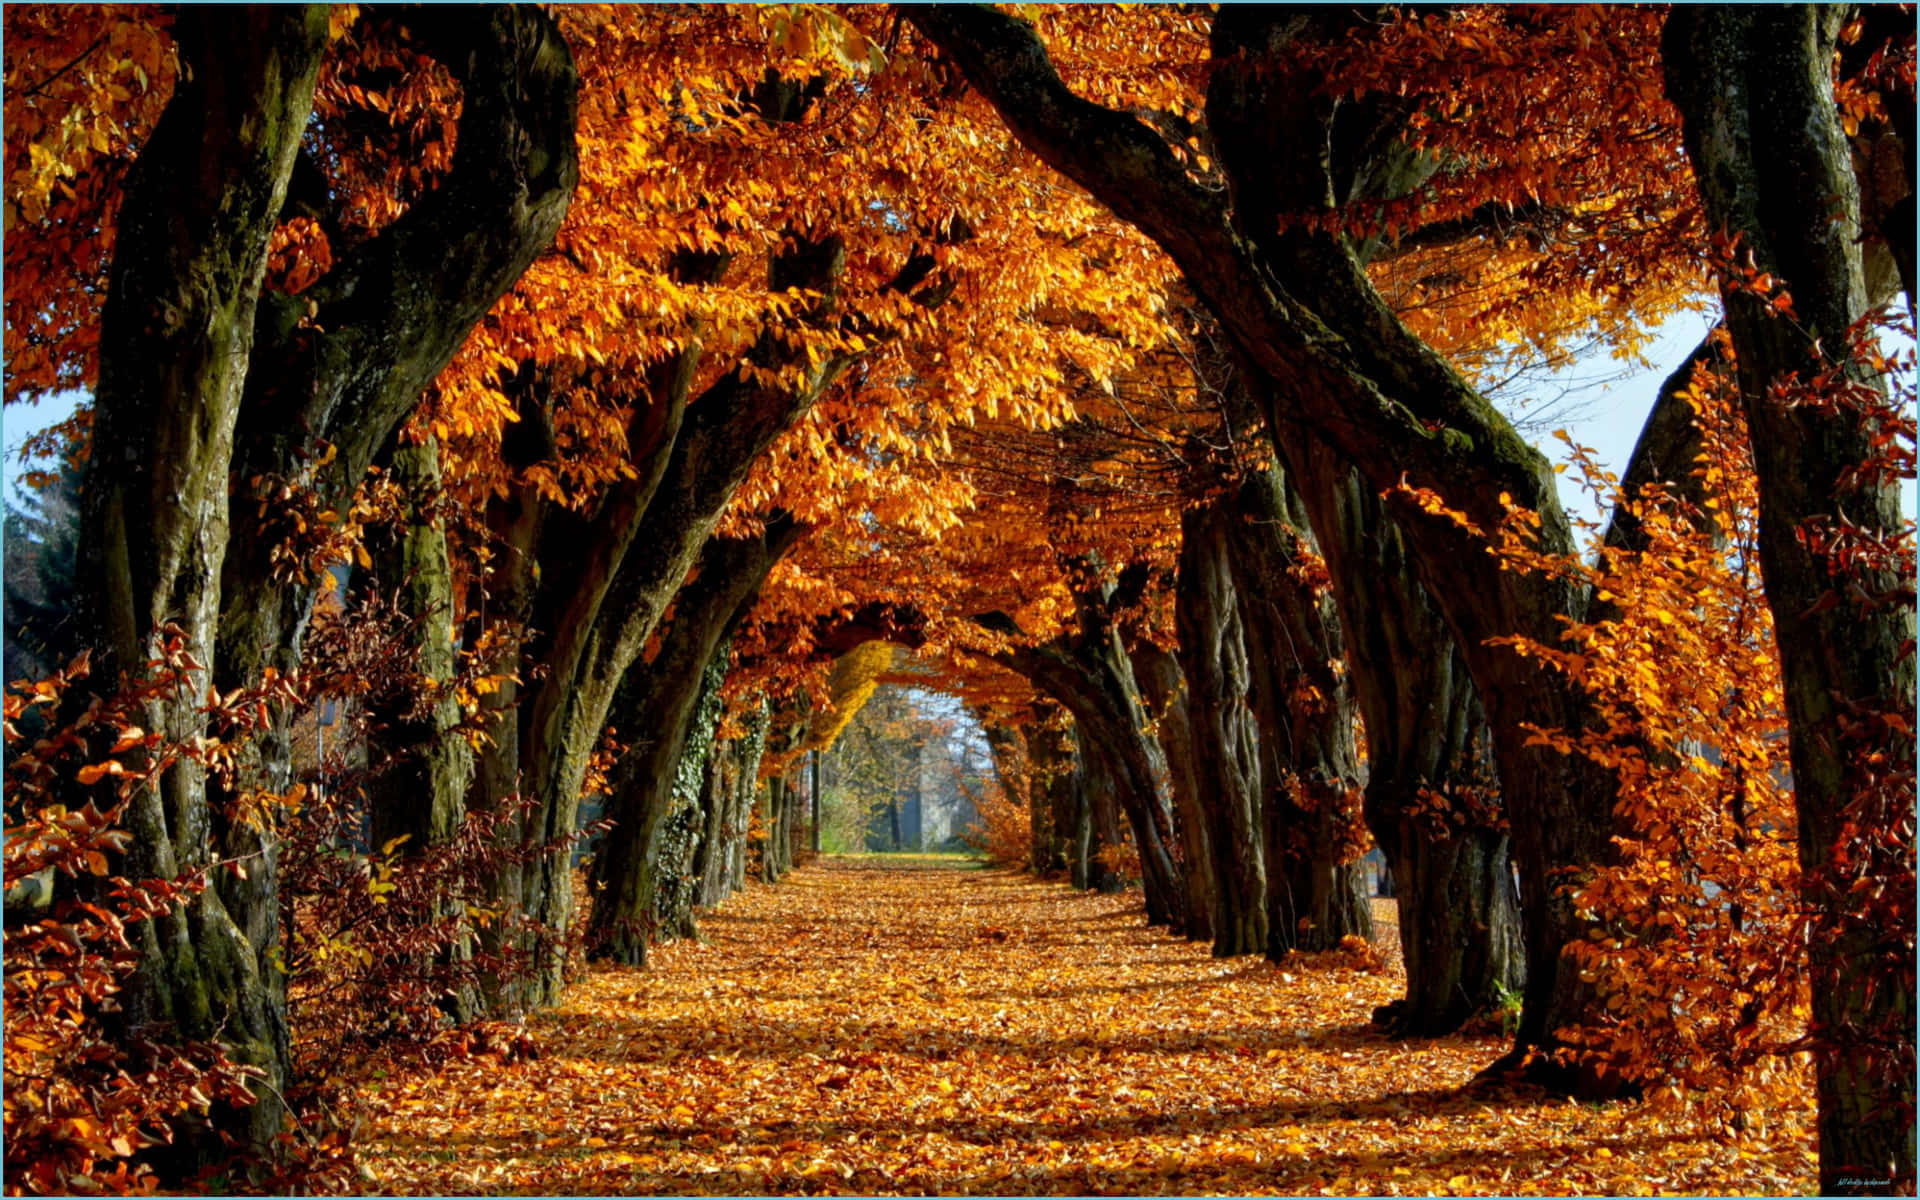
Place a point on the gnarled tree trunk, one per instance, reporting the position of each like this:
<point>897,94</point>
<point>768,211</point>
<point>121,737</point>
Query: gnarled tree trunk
<point>674,703</point>
<point>1164,688</point>
<point>418,789</point>
<point>1311,820</point>
<point>177,343</point>
<point>1088,672</point>
<point>1213,657</point>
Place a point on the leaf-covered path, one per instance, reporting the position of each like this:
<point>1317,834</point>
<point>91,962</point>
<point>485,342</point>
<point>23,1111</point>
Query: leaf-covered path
<point>961,1032</point>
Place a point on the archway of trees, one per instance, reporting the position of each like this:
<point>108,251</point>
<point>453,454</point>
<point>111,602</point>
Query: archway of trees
<point>530,458</point>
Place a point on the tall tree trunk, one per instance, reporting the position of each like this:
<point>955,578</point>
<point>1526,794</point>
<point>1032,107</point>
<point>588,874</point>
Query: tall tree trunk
<point>1164,686</point>
<point>418,792</point>
<point>1772,163</point>
<point>176,345</point>
<point>1213,657</point>
<point>746,789</point>
<point>1088,671</point>
<point>672,848</point>
<point>813,800</point>
<point>1099,823</point>
<point>1432,800</point>
<point>1051,752</point>
<point>782,798</point>
<point>1311,818</point>
<point>710,854</point>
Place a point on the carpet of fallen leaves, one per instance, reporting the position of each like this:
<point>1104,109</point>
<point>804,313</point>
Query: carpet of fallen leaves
<point>972,1032</point>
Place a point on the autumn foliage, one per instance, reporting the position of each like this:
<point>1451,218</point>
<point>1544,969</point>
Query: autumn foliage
<point>89,1096</point>
<point>515,450</point>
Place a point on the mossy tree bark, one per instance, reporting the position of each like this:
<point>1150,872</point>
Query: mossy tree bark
<point>1772,162</point>
<point>332,373</point>
<point>176,344</point>
<point>423,765</point>
<point>746,777</point>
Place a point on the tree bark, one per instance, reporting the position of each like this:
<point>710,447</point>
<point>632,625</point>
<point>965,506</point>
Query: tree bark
<point>1164,688</point>
<point>673,703</point>
<point>1311,819</point>
<point>1460,934</point>
<point>1051,752</point>
<point>176,345</point>
<point>1213,657</point>
<point>722,846</point>
<point>1098,823</point>
<point>418,791</point>
<point>746,787</point>
<point>1755,89</point>
<point>1088,671</point>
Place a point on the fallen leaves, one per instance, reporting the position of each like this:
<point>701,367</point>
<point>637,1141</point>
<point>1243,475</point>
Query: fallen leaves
<point>863,1031</point>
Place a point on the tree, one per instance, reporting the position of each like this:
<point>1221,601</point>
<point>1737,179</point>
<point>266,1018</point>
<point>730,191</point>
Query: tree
<point>176,338</point>
<point>200,363</point>
<point>672,705</point>
<point>1765,139</point>
<point>1301,147</point>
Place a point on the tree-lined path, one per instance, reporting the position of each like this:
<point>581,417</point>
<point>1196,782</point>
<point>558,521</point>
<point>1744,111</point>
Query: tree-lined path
<point>541,473</point>
<point>956,1032</point>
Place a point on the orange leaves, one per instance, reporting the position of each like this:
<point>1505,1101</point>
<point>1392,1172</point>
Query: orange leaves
<point>968,1032</point>
<point>83,87</point>
<point>1681,662</point>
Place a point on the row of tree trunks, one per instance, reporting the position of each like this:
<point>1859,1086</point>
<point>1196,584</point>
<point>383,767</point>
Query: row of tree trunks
<point>1089,672</point>
<point>722,861</point>
<point>721,436</point>
<point>671,707</point>
<point>1329,354</point>
<point>784,799</point>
